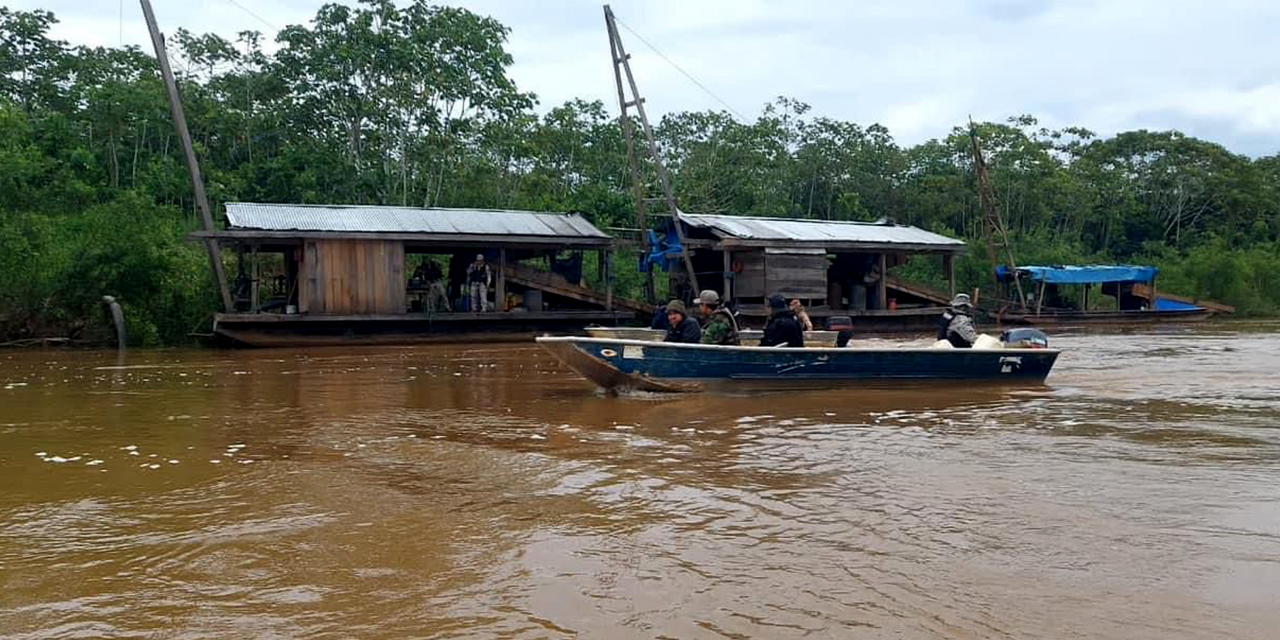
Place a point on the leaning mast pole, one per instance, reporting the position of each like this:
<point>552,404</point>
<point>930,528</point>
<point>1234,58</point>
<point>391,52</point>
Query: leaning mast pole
<point>193,165</point>
<point>993,222</point>
<point>622,66</point>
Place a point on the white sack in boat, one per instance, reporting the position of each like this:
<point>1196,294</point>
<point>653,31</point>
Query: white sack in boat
<point>985,341</point>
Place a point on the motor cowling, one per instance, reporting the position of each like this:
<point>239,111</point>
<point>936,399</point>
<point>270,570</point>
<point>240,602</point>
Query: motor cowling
<point>1025,338</point>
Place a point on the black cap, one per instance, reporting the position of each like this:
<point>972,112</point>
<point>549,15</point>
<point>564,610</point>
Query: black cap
<point>777,302</point>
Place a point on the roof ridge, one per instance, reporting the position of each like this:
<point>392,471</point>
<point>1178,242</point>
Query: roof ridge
<point>401,208</point>
<point>811,220</point>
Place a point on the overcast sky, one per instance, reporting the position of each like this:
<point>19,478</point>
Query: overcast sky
<point>1210,68</point>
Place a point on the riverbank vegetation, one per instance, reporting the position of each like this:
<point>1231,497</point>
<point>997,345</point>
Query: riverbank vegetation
<point>414,106</point>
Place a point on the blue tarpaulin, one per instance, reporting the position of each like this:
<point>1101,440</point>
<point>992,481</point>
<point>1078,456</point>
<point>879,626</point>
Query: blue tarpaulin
<point>1165,304</point>
<point>663,251</point>
<point>1090,274</point>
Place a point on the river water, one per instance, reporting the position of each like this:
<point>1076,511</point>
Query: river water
<point>480,492</point>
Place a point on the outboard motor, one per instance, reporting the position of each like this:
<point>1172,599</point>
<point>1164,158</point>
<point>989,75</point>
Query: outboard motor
<point>1025,338</point>
<point>844,326</point>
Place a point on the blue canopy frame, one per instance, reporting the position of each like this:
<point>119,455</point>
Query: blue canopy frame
<point>1089,274</point>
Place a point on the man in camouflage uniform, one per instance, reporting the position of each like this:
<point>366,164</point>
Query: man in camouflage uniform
<point>956,324</point>
<point>721,327</point>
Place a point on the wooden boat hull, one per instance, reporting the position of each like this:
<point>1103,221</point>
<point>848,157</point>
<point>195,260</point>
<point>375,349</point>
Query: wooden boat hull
<point>660,366</point>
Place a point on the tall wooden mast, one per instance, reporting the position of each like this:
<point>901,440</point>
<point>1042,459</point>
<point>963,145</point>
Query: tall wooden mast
<point>622,67</point>
<point>193,165</point>
<point>993,222</point>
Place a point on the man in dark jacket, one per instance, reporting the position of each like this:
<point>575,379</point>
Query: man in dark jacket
<point>782,329</point>
<point>682,327</point>
<point>660,319</point>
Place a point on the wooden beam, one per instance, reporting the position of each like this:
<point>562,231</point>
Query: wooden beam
<point>608,280</point>
<point>253,284</point>
<point>193,165</point>
<point>321,318</point>
<point>726,295</point>
<point>500,293</point>
<point>442,240</point>
<point>882,285</point>
<point>557,284</point>
<point>949,266</point>
<point>919,291</point>
<point>841,247</point>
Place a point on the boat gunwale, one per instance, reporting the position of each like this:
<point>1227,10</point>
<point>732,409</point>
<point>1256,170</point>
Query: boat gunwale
<point>715,347</point>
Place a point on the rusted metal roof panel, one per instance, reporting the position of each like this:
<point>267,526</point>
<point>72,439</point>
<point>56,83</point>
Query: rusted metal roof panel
<point>817,231</point>
<point>377,219</point>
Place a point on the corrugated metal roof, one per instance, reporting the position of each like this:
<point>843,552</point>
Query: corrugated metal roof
<point>376,219</point>
<point>816,231</point>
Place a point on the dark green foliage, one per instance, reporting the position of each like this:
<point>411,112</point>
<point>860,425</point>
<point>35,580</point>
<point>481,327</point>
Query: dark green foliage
<point>413,105</point>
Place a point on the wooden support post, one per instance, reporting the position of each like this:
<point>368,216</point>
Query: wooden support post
<point>608,280</point>
<point>882,285</point>
<point>500,295</point>
<point>949,266</point>
<point>1084,303</point>
<point>727,295</point>
<point>253,283</point>
<point>193,165</point>
<point>1155,299</point>
<point>1040,297</point>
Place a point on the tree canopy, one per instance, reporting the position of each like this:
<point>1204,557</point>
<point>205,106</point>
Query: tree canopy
<point>414,105</point>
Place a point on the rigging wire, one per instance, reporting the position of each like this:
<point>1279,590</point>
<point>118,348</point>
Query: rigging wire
<point>678,68</point>
<point>254,15</point>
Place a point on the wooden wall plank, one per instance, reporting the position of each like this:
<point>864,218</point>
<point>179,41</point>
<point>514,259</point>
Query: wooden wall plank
<point>750,282</point>
<point>355,276</point>
<point>398,302</point>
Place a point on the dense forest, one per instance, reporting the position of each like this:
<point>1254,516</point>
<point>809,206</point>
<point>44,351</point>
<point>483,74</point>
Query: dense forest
<point>414,106</point>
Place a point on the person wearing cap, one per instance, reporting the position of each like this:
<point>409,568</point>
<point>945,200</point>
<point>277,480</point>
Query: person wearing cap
<point>956,324</point>
<point>721,327</point>
<point>478,278</point>
<point>682,328</point>
<point>782,329</point>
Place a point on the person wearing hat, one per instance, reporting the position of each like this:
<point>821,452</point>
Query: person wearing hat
<point>782,329</point>
<point>721,327</point>
<point>681,328</point>
<point>478,278</point>
<point>956,324</point>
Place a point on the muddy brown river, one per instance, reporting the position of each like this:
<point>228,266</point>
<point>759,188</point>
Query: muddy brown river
<point>486,492</point>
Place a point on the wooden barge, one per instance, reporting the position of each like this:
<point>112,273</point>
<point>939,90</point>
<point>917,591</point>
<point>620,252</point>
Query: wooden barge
<point>318,275</point>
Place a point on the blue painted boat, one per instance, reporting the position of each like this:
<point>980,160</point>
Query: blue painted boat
<point>664,366</point>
